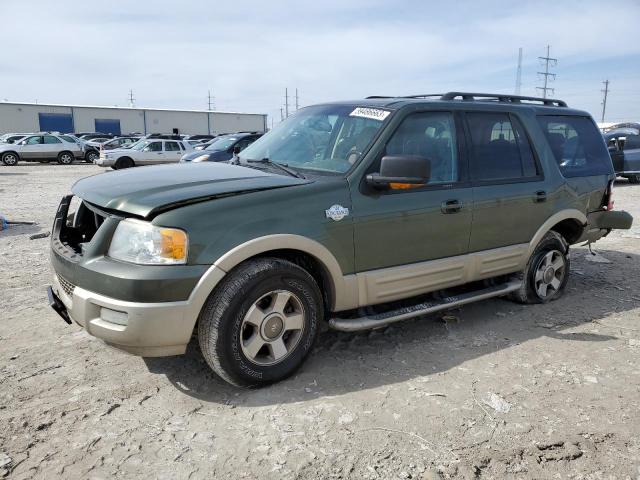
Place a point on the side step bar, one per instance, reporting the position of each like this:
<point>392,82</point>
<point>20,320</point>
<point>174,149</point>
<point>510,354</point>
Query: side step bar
<point>384,319</point>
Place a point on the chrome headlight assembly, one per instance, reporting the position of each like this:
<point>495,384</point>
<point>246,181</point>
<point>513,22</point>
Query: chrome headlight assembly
<point>141,242</point>
<point>201,158</point>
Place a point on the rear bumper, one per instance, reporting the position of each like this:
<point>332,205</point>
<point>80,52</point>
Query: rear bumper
<point>602,222</point>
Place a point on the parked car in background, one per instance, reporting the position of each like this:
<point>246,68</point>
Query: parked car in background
<point>12,137</point>
<point>145,152</point>
<point>42,148</point>
<point>624,148</point>
<point>119,142</point>
<point>222,148</point>
<point>91,136</point>
<point>199,137</point>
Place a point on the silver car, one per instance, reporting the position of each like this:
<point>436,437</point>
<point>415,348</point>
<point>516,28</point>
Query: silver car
<point>42,148</point>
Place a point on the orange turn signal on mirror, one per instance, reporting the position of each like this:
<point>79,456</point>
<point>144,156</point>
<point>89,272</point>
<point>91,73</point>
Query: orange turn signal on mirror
<point>404,186</point>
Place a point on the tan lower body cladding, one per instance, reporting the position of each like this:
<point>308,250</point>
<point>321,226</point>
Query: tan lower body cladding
<point>395,283</point>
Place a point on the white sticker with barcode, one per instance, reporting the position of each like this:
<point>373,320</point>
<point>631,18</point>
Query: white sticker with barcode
<point>372,113</point>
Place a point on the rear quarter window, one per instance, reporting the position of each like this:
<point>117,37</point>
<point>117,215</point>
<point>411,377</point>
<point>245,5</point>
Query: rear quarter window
<point>577,145</point>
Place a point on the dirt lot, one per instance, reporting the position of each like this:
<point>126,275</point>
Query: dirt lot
<point>492,390</point>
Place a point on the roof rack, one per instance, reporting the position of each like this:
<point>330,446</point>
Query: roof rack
<point>495,97</point>
<point>502,98</point>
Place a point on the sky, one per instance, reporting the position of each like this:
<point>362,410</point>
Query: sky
<point>171,53</point>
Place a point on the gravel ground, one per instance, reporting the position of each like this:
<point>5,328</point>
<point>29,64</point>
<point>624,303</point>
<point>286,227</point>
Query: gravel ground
<point>491,390</point>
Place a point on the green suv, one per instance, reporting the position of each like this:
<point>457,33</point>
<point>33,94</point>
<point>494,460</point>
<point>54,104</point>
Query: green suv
<point>358,214</point>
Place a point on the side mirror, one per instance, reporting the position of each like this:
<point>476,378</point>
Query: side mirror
<point>402,171</point>
<point>236,150</point>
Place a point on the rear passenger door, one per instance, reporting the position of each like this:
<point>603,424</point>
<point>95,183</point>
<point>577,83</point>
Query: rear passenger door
<point>172,152</point>
<point>53,146</point>
<point>510,195</point>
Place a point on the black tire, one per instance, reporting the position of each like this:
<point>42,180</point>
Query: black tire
<point>532,287</point>
<point>634,179</point>
<point>65,158</point>
<point>124,162</point>
<point>222,324</point>
<point>91,156</point>
<point>10,159</point>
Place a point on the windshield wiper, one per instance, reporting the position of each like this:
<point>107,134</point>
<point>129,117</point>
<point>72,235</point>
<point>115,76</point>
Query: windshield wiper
<point>281,166</point>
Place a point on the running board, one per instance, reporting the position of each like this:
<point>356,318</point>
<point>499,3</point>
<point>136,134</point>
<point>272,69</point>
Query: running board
<point>384,319</point>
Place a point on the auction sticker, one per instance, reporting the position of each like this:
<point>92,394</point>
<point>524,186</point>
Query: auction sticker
<point>372,113</point>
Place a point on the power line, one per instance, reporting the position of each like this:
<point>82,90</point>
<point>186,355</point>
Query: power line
<point>604,100</point>
<point>548,61</point>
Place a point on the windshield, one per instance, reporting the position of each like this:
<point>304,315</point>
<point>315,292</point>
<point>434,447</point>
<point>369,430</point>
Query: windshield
<point>328,138</point>
<point>221,143</point>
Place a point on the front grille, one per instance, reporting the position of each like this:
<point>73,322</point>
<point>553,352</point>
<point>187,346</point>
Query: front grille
<point>67,286</point>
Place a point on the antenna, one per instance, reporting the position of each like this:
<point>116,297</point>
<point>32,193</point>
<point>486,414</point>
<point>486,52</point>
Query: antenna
<point>548,61</point>
<point>132,101</point>
<point>604,100</point>
<point>519,72</point>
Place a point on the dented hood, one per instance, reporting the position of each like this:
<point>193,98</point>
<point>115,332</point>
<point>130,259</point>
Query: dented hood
<point>146,191</point>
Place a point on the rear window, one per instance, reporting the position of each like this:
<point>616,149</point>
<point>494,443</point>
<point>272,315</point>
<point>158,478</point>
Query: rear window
<point>577,146</point>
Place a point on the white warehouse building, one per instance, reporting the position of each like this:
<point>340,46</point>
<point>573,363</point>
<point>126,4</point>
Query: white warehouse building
<point>37,117</point>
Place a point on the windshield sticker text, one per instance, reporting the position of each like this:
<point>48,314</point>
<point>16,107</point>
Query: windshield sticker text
<point>372,113</point>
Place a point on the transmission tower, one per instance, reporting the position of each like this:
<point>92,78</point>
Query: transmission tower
<point>548,62</point>
<point>519,72</point>
<point>604,100</point>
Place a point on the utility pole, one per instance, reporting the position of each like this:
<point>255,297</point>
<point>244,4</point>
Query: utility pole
<point>548,61</point>
<point>519,72</point>
<point>604,101</point>
<point>211,101</point>
<point>132,101</point>
<point>297,100</point>
<point>281,114</point>
<point>286,102</point>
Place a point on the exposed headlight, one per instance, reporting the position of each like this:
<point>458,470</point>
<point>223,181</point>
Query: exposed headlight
<point>140,242</point>
<point>201,158</point>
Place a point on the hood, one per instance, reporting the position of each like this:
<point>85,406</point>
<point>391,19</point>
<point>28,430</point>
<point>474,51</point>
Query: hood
<point>146,191</point>
<point>198,153</point>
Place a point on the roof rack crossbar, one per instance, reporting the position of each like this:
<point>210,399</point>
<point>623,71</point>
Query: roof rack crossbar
<point>469,96</point>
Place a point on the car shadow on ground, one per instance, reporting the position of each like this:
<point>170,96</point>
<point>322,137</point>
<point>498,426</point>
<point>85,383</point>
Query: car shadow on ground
<point>16,230</point>
<point>427,345</point>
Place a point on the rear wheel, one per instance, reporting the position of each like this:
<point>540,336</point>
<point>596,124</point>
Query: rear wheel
<point>634,178</point>
<point>259,325</point>
<point>124,162</point>
<point>10,159</point>
<point>547,271</point>
<point>65,158</point>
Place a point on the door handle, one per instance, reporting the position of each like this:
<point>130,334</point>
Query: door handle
<point>541,196</point>
<point>451,206</point>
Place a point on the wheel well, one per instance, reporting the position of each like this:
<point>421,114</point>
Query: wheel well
<point>11,151</point>
<point>313,266</point>
<point>571,229</point>
<point>66,151</point>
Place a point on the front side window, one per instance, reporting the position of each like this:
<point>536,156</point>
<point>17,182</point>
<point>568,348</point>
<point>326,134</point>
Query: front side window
<point>577,145</point>
<point>33,141</point>
<point>325,138</point>
<point>48,139</point>
<point>431,135</point>
<point>221,143</point>
<point>500,149</point>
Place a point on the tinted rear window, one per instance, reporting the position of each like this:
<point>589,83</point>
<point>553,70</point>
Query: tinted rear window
<point>577,146</point>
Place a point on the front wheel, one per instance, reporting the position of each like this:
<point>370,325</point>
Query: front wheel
<point>547,271</point>
<point>91,156</point>
<point>124,162</point>
<point>259,325</point>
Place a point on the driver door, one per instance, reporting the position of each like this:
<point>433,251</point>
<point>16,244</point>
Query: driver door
<point>410,240</point>
<point>152,153</point>
<point>32,147</point>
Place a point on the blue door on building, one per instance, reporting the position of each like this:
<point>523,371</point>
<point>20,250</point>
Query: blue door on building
<point>56,122</point>
<point>104,125</point>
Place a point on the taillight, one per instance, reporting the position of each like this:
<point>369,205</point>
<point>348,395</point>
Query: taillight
<point>608,196</point>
